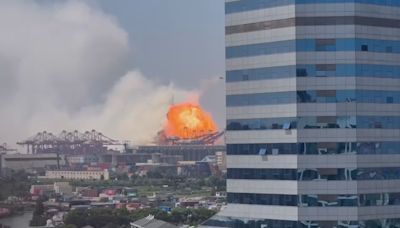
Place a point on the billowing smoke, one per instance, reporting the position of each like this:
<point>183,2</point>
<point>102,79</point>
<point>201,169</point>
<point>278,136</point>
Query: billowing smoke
<point>64,66</point>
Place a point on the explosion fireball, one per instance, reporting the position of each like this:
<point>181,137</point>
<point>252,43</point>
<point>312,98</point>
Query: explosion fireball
<point>187,121</point>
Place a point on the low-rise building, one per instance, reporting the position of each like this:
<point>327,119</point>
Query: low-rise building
<point>78,175</point>
<point>31,161</point>
<point>63,188</point>
<point>87,192</point>
<point>38,190</point>
<point>151,222</point>
<point>133,206</point>
<point>82,159</point>
<point>221,160</point>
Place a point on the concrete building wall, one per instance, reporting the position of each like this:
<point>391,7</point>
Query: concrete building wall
<point>77,175</point>
<point>30,161</point>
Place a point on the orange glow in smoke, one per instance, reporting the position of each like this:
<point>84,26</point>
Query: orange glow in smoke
<point>188,121</point>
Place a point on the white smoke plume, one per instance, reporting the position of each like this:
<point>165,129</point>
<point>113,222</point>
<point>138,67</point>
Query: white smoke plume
<point>64,66</point>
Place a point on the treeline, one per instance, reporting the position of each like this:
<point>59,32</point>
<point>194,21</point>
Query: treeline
<point>15,184</point>
<point>38,217</point>
<point>175,182</point>
<point>121,218</point>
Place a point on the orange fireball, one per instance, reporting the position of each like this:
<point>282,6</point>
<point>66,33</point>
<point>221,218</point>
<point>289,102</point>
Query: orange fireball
<point>188,121</point>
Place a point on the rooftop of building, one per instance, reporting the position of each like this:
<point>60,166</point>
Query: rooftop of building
<point>151,222</point>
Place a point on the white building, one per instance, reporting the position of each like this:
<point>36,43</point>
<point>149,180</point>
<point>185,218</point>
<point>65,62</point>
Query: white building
<point>78,175</point>
<point>63,188</point>
<point>221,160</point>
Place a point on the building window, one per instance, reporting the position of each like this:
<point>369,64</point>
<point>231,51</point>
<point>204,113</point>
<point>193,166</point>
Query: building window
<point>263,152</point>
<point>389,100</point>
<point>301,72</point>
<point>364,47</point>
<point>325,45</point>
<point>286,126</point>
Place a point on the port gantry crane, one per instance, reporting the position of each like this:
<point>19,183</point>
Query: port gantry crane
<point>73,142</point>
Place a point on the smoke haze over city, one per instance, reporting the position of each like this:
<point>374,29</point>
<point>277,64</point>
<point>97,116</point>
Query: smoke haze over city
<point>68,65</point>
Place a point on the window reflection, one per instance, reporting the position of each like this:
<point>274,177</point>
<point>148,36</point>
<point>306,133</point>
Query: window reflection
<point>330,174</point>
<point>313,45</point>
<point>314,96</point>
<point>317,70</point>
<point>221,221</point>
<point>343,122</point>
<point>321,148</point>
<point>310,200</point>
<point>244,5</point>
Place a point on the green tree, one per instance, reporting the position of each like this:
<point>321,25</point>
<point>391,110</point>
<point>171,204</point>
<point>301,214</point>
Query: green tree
<point>139,214</point>
<point>111,225</point>
<point>38,220</point>
<point>123,176</point>
<point>39,208</point>
<point>66,226</point>
<point>156,173</point>
<point>179,215</point>
<point>200,215</point>
<point>76,217</point>
<point>110,218</point>
<point>97,217</point>
<point>16,184</point>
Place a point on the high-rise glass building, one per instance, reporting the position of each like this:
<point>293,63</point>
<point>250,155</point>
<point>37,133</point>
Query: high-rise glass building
<point>313,114</point>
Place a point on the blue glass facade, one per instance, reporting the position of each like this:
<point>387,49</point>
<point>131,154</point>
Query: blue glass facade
<point>315,122</point>
<point>316,70</point>
<point>339,124</point>
<point>351,200</point>
<point>320,148</point>
<point>340,174</point>
<point>221,221</point>
<point>314,45</point>
<point>244,5</point>
<point>315,96</point>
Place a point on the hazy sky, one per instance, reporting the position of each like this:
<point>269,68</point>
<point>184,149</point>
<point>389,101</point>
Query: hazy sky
<point>108,65</point>
<point>177,40</point>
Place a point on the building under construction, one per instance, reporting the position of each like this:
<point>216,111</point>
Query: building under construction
<point>190,149</point>
<point>66,142</point>
<point>201,139</point>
